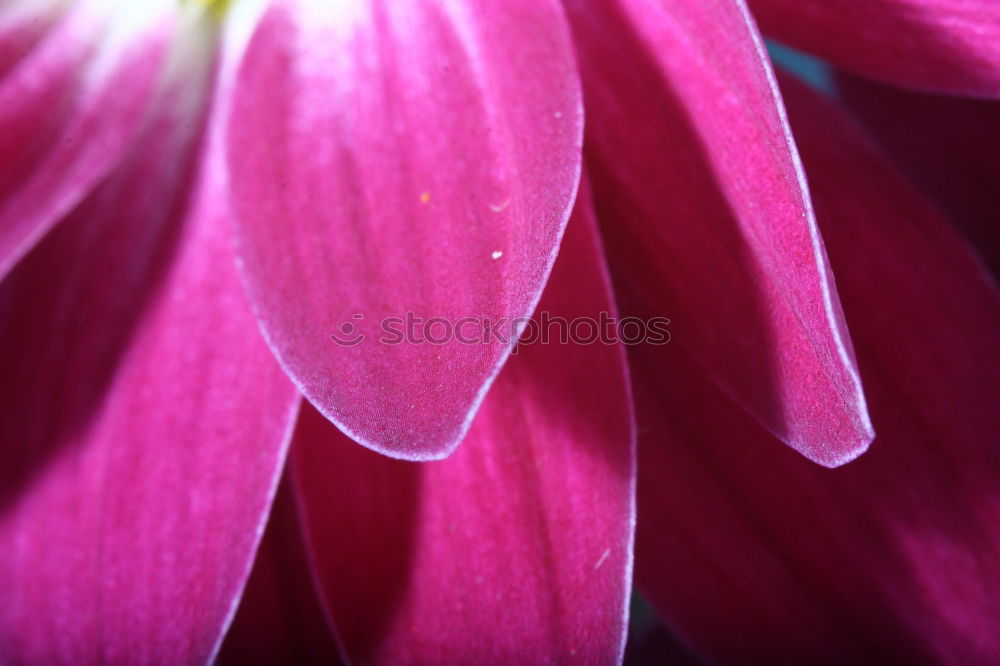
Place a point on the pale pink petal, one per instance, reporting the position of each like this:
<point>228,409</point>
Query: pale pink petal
<point>948,146</point>
<point>23,23</point>
<point>280,620</point>
<point>705,210</point>
<point>401,157</point>
<point>950,46</point>
<point>144,421</point>
<point>70,107</point>
<point>755,556</point>
<point>517,549</point>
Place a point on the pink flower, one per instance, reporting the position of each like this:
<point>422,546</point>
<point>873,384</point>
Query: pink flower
<point>198,199</point>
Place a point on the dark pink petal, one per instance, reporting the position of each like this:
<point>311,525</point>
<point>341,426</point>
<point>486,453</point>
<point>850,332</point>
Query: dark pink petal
<point>947,146</point>
<point>517,549</point>
<point>755,556</point>
<point>71,102</point>
<point>656,646</point>
<point>705,210</point>
<point>394,158</point>
<point>951,46</point>
<point>144,421</point>
<point>280,620</point>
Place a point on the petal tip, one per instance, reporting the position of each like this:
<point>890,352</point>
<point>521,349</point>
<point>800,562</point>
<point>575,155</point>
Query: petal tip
<point>427,447</point>
<point>833,457</point>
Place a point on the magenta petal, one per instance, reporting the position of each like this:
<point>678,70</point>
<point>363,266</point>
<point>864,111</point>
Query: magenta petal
<point>517,549</point>
<point>71,102</point>
<point>144,421</point>
<point>394,158</point>
<point>280,620</point>
<point>755,556</point>
<point>948,146</point>
<point>704,208</point>
<point>950,46</point>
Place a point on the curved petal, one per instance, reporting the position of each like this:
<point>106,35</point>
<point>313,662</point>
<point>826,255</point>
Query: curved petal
<point>279,620</point>
<point>144,421</point>
<point>71,106</point>
<point>939,45</point>
<point>517,549</point>
<point>395,158</point>
<point>946,145</point>
<point>704,207</point>
<point>754,556</point>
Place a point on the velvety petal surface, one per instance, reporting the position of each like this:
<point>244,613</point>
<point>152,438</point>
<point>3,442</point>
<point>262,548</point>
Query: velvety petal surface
<point>279,620</point>
<point>144,420</point>
<point>950,46</point>
<point>75,86</point>
<point>704,209</point>
<point>755,556</point>
<point>394,158</point>
<point>948,146</point>
<point>517,549</point>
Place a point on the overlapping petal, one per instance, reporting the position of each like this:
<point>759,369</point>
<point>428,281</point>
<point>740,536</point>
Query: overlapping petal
<point>755,556</point>
<point>394,158</point>
<point>950,46</point>
<point>279,620</point>
<point>517,549</point>
<point>704,209</point>
<point>946,145</point>
<point>144,421</point>
<point>75,88</point>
